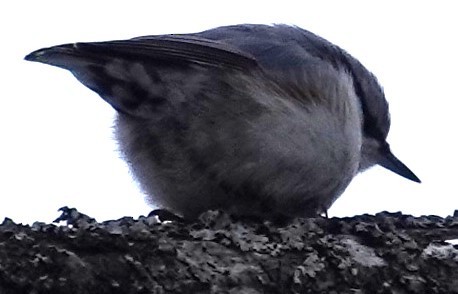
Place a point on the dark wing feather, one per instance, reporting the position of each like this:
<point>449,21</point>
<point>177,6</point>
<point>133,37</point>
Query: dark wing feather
<point>136,76</point>
<point>173,48</point>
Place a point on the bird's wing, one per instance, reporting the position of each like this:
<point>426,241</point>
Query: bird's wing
<point>200,50</point>
<point>171,48</point>
<point>133,75</point>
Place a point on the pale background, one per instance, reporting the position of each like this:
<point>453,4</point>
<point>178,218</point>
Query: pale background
<point>56,137</point>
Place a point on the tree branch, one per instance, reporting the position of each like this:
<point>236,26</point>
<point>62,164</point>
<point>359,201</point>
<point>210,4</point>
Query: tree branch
<point>385,253</point>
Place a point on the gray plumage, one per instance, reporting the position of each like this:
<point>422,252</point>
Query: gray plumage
<point>252,119</point>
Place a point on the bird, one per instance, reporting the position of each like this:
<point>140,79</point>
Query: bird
<point>252,119</point>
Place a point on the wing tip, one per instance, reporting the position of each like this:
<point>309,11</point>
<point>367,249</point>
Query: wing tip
<point>35,55</point>
<point>52,54</point>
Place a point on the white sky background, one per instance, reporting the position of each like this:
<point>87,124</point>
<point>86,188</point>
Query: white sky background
<point>56,144</point>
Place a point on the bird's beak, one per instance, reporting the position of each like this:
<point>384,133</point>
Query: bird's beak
<point>389,161</point>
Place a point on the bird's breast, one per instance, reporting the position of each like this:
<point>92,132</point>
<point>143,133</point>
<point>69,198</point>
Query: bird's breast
<point>251,148</point>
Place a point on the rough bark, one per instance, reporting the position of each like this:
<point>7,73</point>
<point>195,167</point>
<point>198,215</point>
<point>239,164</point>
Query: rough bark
<point>385,253</point>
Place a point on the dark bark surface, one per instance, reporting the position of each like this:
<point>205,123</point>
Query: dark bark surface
<point>385,253</point>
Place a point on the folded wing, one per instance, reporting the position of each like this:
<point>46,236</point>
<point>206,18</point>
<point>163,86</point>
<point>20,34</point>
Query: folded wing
<point>136,75</point>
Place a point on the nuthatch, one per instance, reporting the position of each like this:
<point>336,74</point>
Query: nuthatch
<point>252,119</point>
